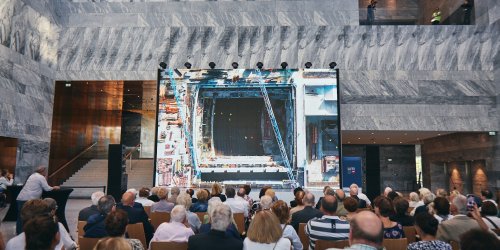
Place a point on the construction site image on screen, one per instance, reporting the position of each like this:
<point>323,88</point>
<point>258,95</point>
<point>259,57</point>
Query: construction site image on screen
<point>248,126</point>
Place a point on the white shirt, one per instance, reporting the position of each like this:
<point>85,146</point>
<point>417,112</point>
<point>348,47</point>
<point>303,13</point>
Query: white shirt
<point>145,201</point>
<point>440,219</point>
<point>420,203</point>
<point>4,182</point>
<point>289,233</point>
<point>365,198</point>
<point>19,242</point>
<point>495,220</point>
<point>282,244</point>
<point>237,205</point>
<point>172,231</point>
<point>34,187</point>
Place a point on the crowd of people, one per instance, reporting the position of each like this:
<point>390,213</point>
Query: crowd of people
<point>270,223</point>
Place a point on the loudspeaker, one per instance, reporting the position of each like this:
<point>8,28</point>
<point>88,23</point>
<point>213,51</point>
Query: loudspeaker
<point>117,176</point>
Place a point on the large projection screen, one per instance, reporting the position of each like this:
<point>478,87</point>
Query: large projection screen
<point>248,126</point>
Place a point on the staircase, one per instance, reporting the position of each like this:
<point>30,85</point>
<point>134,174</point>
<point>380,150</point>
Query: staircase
<point>95,173</point>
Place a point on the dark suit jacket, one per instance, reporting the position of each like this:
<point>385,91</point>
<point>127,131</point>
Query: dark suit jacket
<point>95,227</point>
<point>304,215</point>
<point>87,212</point>
<point>136,215</point>
<point>214,240</point>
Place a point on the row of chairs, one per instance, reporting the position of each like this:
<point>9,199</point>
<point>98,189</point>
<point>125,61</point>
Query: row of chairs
<point>135,231</point>
<point>89,243</point>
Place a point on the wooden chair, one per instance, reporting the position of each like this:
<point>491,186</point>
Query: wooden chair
<point>147,209</point>
<point>161,245</point>
<point>87,243</point>
<point>303,236</point>
<point>136,231</point>
<point>324,244</point>
<point>455,245</point>
<point>159,217</point>
<point>201,215</point>
<point>410,233</point>
<point>239,218</point>
<point>79,228</point>
<point>395,244</point>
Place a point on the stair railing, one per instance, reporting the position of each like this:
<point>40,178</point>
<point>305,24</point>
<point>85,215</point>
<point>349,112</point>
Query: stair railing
<point>129,155</point>
<point>71,167</point>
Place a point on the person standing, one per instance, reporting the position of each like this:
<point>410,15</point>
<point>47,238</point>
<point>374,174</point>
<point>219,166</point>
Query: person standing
<point>32,189</point>
<point>436,17</point>
<point>370,15</point>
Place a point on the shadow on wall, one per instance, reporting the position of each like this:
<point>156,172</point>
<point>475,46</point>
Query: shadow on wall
<point>416,12</point>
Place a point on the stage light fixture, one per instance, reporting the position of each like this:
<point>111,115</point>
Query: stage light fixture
<point>211,65</point>
<point>284,65</point>
<point>163,65</point>
<point>188,65</point>
<point>332,65</point>
<point>234,65</point>
<point>260,65</point>
<point>308,65</point>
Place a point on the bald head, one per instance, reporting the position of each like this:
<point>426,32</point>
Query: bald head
<point>308,199</point>
<point>340,194</point>
<point>366,228</point>
<point>128,199</point>
<point>329,205</point>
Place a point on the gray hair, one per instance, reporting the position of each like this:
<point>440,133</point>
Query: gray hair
<point>212,204</point>
<point>51,203</point>
<point>423,192</point>
<point>178,214</point>
<point>221,217</point>
<point>308,198</point>
<point>266,202</point>
<point>106,204</point>
<point>175,190</point>
<point>460,202</point>
<point>414,196</point>
<point>96,196</point>
<point>428,198</point>
<point>185,200</point>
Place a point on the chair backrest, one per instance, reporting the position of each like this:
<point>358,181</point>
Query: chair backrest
<point>455,245</point>
<point>395,244</point>
<point>303,236</point>
<point>136,231</point>
<point>324,244</point>
<point>159,217</point>
<point>410,234</point>
<point>87,243</point>
<point>161,245</point>
<point>201,215</point>
<point>79,228</point>
<point>239,218</point>
<point>147,209</point>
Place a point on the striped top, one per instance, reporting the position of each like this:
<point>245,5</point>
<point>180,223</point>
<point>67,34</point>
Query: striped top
<point>327,228</point>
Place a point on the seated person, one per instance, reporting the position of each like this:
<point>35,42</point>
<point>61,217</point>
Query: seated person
<point>112,243</point>
<point>163,205</point>
<point>192,218</point>
<point>136,214</point>
<point>175,230</point>
<point>85,213</point>
<point>143,198</point>
<point>384,209</point>
<point>42,232</point>
<point>401,216</point>
<point>64,236</point>
<point>201,204</point>
<point>231,230</point>
<point>95,227</point>
<point>116,224</point>
<point>426,226</point>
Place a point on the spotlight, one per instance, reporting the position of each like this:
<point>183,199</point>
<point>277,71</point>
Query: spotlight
<point>308,65</point>
<point>234,65</point>
<point>211,65</point>
<point>163,65</point>
<point>332,65</point>
<point>284,65</point>
<point>260,65</point>
<point>187,65</point>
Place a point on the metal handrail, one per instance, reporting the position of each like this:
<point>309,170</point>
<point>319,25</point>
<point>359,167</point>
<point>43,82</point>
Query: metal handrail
<point>129,154</point>
<point>72,160</point>
<point>103,187</point>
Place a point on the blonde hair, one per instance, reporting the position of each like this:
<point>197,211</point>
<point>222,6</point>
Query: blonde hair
<point>216,189</point>
<point>270,192</point>
<point>202,195</point>
<point>162,193</point>
<point>113,243</point>
<point>265,228</point>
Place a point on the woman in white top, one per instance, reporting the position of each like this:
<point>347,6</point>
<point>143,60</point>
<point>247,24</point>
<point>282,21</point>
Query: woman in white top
<point>280,209</point>
<point>265,233</point>
<point>5,180</point>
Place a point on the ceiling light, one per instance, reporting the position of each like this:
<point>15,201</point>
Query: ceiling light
<point>359,138</point>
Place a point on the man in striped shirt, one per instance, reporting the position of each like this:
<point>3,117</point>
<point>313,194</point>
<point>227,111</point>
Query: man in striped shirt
<point>330,226</point>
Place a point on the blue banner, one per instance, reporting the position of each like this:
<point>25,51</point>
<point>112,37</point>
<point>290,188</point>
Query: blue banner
<point>351,171</point>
